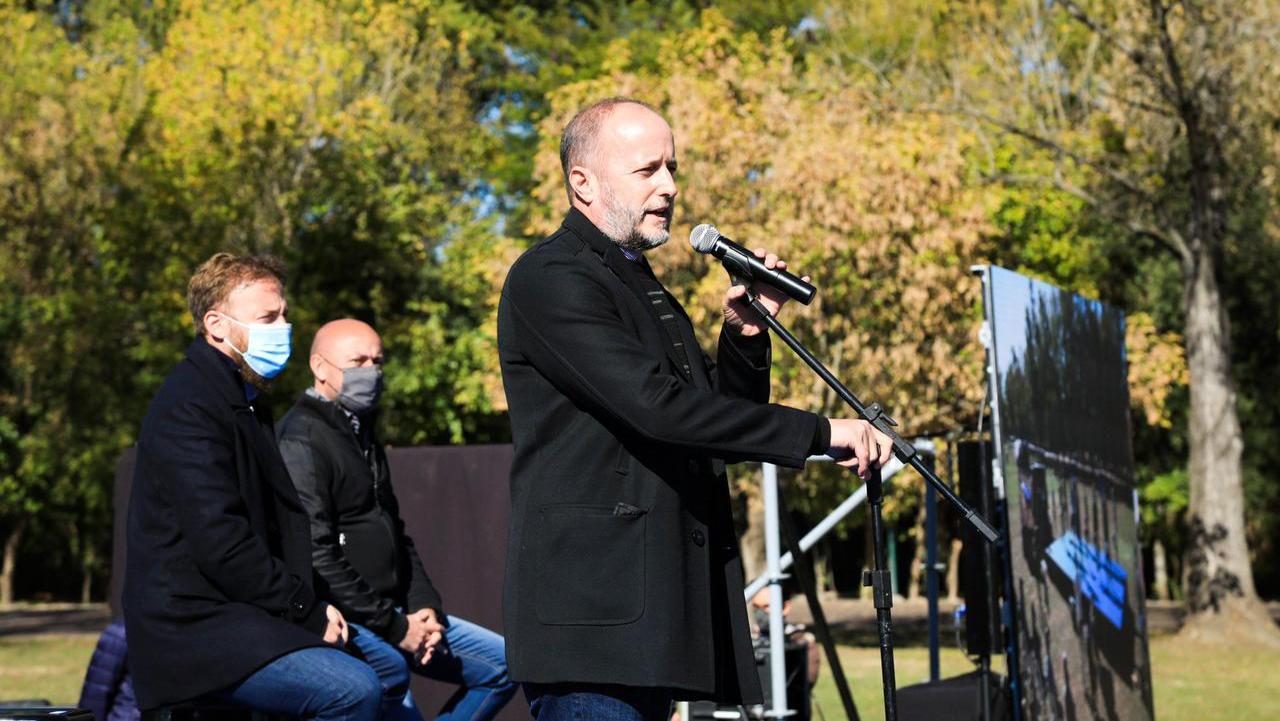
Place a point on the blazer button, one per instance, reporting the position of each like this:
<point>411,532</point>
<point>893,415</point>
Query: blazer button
<point>699,539</point>
<point>694,467</point>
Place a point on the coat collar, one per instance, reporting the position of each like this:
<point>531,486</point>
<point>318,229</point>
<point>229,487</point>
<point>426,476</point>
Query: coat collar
<point>599,243</point>
<point>333,415</point>
<point>254,420</point>
<point>627,270</point>
<point>326,411</point>
<point>220,370</point>
<point>630,272</point>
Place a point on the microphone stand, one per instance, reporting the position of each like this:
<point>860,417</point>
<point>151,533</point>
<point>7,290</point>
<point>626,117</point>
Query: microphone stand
<point>879,578</point>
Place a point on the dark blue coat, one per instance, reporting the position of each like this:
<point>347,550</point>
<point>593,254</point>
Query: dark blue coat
<point>218,579</point>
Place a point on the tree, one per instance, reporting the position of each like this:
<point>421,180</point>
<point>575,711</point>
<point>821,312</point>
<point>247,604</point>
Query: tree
<point>1165,110</point>
<point>65,390</point>
<point>875,203</point>
<point>340,136</point>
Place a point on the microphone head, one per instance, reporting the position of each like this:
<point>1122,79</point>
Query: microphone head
<point>703,238</point>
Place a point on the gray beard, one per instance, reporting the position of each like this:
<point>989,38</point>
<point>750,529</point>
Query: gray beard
<point>622,225</point>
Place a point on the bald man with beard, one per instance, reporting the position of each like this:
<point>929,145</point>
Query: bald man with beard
<point>624,578</point>
<point>359,544</point>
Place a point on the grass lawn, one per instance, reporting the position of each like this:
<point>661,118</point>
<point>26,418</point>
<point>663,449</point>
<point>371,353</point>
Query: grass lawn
<point>49,666</point>
<point>1193,682</point>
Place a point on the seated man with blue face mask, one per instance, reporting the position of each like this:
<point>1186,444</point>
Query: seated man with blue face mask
<point>220,602</point>
<point>371,568</point>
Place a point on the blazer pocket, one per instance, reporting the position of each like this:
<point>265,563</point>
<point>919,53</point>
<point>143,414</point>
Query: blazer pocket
<point>590,565</point>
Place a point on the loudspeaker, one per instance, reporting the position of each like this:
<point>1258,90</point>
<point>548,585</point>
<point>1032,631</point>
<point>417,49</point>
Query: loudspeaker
<point>977,557</point>
<point>953,699</point>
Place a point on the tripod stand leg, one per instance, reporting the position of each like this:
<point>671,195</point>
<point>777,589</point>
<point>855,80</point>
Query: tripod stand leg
<point>809,585</point>
<point>879,579</point>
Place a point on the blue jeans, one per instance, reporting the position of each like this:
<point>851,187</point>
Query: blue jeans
<point>598,702</point>
<point>324,684</point>
<point>471,657</point>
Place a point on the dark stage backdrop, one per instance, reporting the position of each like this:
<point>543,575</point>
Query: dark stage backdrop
<point>455,502</point>
<point>1065,460</point>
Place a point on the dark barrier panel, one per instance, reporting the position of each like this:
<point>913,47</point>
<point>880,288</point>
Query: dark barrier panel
<point>455,501</point>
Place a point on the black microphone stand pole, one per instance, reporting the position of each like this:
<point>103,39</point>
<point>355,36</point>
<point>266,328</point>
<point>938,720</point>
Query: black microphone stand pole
<point>878,578</point>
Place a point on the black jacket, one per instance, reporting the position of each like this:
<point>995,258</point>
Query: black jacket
<point>359,544</point>
<point>622,562</point>
<point>218,578</point>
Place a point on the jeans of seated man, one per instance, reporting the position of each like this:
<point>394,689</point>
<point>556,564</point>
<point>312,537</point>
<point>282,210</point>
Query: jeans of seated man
<point>598,702</point>
<point>323,684</point>
<point>471,657</point>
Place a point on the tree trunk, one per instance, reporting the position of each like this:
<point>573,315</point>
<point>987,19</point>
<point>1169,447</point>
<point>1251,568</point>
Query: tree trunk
<point>10,562</point>
<point>821,569</point>
<point>1161,590</point>
<point>1217,578</point>
<point>917,570</point>
<point>87,563</point>
<point>953,571</point>
<point>917,556</point>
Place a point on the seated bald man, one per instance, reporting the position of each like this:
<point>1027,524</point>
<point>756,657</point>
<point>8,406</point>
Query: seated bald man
<point>359,545</point>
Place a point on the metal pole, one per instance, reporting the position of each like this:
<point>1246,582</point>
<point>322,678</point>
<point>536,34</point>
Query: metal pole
<point>882,597</point>
<point>880,577</point>
<point>835,517</point>
<point>995,482</point>
<point>810,539</point>
<point>875,415</point>
<point>820,627</point>
<point>773,565</point>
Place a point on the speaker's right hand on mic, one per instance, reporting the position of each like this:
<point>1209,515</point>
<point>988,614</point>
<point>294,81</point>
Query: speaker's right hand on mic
<point>857,444</point>
<point>739,315</point>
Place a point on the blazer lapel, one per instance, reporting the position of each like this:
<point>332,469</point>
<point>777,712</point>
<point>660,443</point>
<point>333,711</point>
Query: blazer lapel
<point>253,421</point>
<point>701,377</point>
<point>630,272</point>
<point>633,275</point>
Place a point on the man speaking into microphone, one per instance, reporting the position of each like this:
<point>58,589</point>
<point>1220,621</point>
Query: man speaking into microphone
<point>624,580</point>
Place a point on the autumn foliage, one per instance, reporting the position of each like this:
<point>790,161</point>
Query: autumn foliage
<point>400,154</point>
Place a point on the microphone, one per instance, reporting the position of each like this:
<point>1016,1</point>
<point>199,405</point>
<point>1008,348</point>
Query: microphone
<point>742,263</point>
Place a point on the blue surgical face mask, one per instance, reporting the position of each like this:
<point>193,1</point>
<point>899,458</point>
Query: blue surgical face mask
<point>269,347</point>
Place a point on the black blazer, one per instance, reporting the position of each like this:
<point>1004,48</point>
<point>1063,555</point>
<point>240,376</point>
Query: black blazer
<point>218,578</point>
<point>622,562</point>
<point>358,541</point>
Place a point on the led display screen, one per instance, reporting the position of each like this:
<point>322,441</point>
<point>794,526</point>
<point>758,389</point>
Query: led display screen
<point>1065,460</point>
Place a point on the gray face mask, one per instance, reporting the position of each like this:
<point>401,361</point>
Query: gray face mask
<point>361,389</point>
